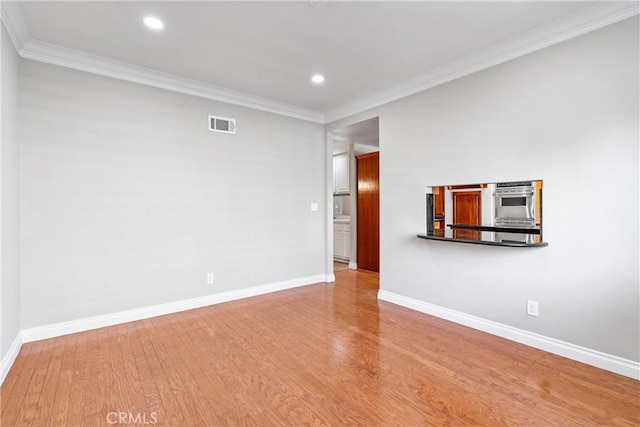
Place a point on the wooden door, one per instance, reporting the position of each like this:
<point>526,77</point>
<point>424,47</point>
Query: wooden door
<point>438,208</point>
<point>467,208</point>
<point>438,193</point>
<point>368,197</point>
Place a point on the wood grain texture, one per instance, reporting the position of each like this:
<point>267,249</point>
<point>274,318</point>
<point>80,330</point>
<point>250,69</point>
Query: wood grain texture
<point>467,207</point>
<point>368,213</point>
<point>325,354</point>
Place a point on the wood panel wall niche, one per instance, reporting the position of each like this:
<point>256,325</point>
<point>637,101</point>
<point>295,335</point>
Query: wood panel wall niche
<point>368,197</point>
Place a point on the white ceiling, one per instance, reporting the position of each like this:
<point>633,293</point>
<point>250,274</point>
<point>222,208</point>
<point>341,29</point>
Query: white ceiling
<point>270,49</point>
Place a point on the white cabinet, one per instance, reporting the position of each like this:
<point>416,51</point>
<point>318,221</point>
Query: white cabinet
<point>338,243</point>
<point>347,241</point>
<point>341,173</point>
<point>342,240</point>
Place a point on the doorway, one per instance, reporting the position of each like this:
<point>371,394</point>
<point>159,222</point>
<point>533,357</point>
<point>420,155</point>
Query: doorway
<point>355,140</point>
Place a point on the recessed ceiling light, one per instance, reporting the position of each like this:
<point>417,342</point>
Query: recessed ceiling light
<point>154,23</point>
<point>317,79</point>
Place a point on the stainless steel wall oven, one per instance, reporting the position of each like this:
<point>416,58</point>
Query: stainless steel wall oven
<point>515,204</point>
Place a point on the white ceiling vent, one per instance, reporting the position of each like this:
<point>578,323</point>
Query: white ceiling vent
<point>222,124</point>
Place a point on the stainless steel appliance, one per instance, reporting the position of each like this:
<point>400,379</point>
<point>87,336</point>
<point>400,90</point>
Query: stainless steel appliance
<point>515,204</point>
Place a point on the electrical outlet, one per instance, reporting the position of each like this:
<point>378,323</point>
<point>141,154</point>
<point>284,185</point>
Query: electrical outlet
<point>314,207</point>
<point>210,278</point>
<point>532,308</point>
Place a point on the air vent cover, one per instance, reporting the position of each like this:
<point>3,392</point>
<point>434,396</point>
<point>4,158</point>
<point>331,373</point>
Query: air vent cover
<point>222,124</point>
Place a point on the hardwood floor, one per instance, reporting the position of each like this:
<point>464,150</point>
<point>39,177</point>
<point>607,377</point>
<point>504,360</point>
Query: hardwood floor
<point>318,355</point>
<point>339,266</point>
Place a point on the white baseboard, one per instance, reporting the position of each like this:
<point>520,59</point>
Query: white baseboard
<point>605,361</point>
<point>10,357</point>
<point>80,325</point>
<point>330,278</point>
<point>353,266</point>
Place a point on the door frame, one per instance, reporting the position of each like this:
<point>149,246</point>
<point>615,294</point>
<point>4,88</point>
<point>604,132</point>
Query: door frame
<point>328,202</point>
<point>328,194</point>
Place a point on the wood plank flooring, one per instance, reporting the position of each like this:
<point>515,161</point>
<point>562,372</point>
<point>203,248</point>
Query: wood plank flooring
<point>339,266</point>
<point>322,354</point>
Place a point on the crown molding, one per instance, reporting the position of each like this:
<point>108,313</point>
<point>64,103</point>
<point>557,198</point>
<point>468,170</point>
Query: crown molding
<point>71,58</point>
<point>586,20</point>
<point>15,24</point>
<point>28,48</point>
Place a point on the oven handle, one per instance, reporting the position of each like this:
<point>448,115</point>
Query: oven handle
<point>519,194</point>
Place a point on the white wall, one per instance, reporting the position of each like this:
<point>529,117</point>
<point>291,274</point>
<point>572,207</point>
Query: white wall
<point>9,199</point>
<point>567,114</point>
<point>128,200</point>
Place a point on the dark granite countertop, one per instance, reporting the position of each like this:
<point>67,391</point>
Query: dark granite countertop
<point>523,230</point>
<point>482,237</point>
